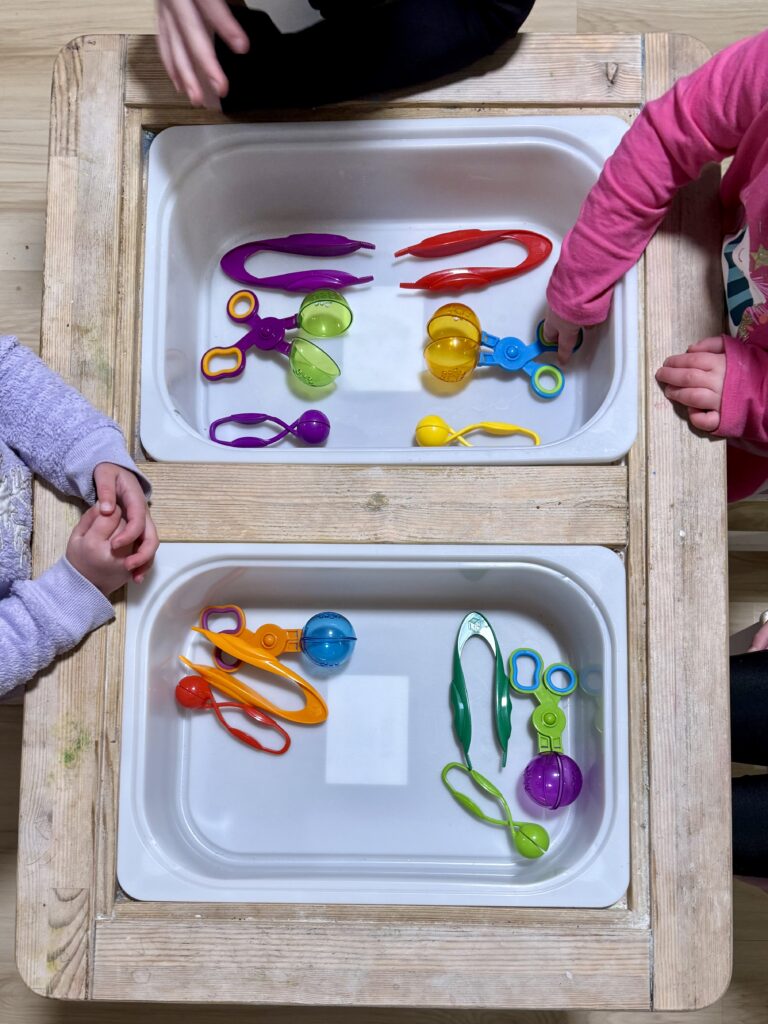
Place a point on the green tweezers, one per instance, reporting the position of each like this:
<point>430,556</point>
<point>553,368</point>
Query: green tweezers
<point>476,624</point>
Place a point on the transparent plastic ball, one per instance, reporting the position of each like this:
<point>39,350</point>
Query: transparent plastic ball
<point>328,639</point>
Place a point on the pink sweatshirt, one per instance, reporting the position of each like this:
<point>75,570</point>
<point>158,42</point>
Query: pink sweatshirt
<point>720,110</point>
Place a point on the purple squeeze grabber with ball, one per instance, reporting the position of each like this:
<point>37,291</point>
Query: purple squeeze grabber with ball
<point>233,262</point>
<point>552,778</point>
<point>312,427</point>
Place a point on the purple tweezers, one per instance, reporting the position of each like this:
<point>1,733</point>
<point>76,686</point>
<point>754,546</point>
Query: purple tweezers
<point>233,262</point>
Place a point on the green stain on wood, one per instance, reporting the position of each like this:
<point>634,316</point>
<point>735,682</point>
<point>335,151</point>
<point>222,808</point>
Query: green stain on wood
<point>76,741</point>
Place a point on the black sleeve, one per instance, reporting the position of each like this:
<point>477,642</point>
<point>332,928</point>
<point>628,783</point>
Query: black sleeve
<point>362,48</point>
<point>749,745</point>
<point>749,708</point>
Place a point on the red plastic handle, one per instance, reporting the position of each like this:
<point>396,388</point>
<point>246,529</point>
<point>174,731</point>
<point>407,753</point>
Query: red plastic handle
<point>194,692</point>
<point>452,242</point>
<point>256,715</point>
<point>458,278</point>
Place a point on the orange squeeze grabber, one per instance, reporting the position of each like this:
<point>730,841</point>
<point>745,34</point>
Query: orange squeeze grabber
<point>314,711</point>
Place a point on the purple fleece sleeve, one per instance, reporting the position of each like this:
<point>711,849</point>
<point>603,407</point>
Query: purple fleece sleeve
<point>52,428</point>
<point>45,617</point>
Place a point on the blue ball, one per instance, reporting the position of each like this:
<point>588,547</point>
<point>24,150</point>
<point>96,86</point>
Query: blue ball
<point>328,639</point>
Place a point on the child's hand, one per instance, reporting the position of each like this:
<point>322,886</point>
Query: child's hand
<point>90,550</point>
<point>695,379</point>
<point>564,333</point>
<point>760,639</point>
<point>117,487</point>
<point>185,30</point>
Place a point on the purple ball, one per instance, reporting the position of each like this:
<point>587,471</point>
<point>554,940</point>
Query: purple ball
<point>313,426</point>
<point>553,780</point>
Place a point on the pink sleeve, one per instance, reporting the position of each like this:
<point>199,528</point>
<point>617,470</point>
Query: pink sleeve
<point>744,406</point>
<point>701,119</point>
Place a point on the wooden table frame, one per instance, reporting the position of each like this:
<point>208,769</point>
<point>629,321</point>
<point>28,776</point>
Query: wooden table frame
<point>667,944</point>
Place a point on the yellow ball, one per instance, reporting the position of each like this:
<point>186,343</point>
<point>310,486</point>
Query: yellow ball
<point>432,431</point>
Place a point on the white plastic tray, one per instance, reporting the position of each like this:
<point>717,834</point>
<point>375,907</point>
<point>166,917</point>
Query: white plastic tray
<point>355,812</point>
<point>391,182</point>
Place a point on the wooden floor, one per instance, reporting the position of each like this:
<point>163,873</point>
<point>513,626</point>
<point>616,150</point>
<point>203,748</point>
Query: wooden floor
<point>31,31</point>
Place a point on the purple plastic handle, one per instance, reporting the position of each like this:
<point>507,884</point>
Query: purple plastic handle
<point>223,609</point>
<point>312,427</point>
<point>205,622</point>
<point>233,262</point>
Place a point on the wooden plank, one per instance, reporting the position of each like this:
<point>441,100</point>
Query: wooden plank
<point>515,505</point>
<point>637,624</point>
<point>717,23</point>
<point>615,919</point>
<point>157,120</point>
<point>127,346</point>
<point>596,71</point>
<point>371,963</point>
<point>687,604</point>
<point>63,712</point>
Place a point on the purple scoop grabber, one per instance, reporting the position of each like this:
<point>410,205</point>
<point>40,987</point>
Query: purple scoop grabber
<point>312,427</point>
<point>233,262</point>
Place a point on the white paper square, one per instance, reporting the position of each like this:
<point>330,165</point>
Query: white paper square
<point>367,731</point>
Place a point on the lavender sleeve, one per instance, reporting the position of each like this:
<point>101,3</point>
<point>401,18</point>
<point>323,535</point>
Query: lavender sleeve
<point>42,618</point>
<point>52,428</point>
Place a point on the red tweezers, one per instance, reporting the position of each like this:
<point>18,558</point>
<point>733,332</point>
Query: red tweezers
<point>194,692</point>
<point>457,278</point>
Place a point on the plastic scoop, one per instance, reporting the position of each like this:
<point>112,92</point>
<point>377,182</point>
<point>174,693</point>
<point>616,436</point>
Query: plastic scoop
<point>311,365</point>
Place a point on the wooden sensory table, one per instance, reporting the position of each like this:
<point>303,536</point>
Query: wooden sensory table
<point>667,944</point>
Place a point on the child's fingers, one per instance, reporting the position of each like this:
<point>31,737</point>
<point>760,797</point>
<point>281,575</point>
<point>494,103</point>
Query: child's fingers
<point>104,477</point>
<point>696,398</point>
<point>565,333</point>
<point>134,508</point>
<point>708,421</point>
<point>566,343</point>
<point>199,44</point>
<point>163,46</point>
<point>760,639</point>
<point>692,361</point>
<point>140,571</point>
<point>86,520</point>
<point>683,377</point>
<point>146,551</point>
<point>219,17</point>
<point>104,526</point>
<point>187,75</point>
<point>130,529</point>
<point>708,345</point>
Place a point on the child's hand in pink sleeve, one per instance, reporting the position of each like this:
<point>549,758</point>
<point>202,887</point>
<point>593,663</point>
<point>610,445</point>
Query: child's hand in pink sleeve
<point>565,333</point>
<point>117,487</point>
<point>90,550</point>
<point>695,379</point>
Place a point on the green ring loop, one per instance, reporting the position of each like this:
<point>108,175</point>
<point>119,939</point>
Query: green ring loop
<point>549,371</point>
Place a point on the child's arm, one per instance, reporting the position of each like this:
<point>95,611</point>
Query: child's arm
<point>54,430</point>
<point>703,118</point>
<point>43,618</point>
